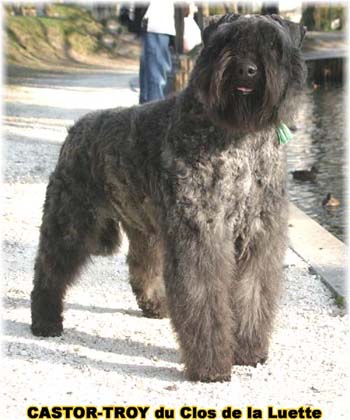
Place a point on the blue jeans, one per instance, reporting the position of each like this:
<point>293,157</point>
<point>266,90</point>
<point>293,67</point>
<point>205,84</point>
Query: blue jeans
<point>155,64</point>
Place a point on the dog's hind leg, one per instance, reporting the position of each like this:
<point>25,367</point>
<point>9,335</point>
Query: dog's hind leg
<point>72,229</point>
<point>255,298</point>
<point>146,272</point>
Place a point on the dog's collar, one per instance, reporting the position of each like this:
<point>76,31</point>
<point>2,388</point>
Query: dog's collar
<point>284,134</point>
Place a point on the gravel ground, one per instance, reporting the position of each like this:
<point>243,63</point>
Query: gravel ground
<point>109,354</point>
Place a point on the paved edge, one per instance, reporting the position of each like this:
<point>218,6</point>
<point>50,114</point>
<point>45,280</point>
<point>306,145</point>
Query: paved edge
<point>320,249</point>
<point>335,54</point>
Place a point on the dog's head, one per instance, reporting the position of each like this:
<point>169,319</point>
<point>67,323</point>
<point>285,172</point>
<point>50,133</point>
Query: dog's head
<point>249,69</point>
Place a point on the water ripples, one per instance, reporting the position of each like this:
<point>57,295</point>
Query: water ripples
<point>319,141</point>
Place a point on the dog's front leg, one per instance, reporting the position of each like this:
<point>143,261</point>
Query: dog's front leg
<point>198,277</point>
<point>256,294</point>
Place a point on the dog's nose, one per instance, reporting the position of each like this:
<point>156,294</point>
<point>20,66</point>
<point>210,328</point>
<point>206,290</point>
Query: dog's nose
<point>247,70</point>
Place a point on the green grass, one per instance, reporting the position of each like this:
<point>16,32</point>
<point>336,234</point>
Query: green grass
<point>67,11</point>
<point>66,28</point>
<point>340,301</point>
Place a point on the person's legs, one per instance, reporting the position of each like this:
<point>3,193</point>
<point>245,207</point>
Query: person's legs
<point>143,73</point>
<point>156,63</point>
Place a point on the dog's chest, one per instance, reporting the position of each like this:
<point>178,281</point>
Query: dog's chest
<point>232,183</point>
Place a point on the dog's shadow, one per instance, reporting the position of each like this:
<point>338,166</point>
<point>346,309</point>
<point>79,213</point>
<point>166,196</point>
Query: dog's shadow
<point>127,347</point>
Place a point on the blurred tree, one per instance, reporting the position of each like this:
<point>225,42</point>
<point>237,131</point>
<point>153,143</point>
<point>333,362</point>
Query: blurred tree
<point>216,9</point>
<point>323,18</point>
<point>244,8</point>
<point>308,17</point>
<point>270,8</point>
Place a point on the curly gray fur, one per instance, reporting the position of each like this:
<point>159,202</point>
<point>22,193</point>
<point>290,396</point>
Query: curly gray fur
<point>197,181</point>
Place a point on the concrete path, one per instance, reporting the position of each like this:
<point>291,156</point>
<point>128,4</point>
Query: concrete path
<point>324,45</point>
<point>109,354</point>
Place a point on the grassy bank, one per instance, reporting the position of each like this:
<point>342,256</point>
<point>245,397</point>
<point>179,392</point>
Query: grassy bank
<point>67,35</point>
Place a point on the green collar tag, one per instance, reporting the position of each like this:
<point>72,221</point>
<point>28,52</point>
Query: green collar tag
<point>284,134</point>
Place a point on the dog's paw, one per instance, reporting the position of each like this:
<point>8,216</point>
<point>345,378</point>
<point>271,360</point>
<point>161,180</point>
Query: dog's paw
<point>209,377</point>
<point>154,308</point>
<point>250,359</point>
<point>216,378</point>
<point>47,329</point>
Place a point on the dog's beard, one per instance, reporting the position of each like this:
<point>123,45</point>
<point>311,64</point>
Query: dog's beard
<point>240,106</point>
<point>237,105</point>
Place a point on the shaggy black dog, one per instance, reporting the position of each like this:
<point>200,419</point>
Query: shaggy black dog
<point>197,182</point>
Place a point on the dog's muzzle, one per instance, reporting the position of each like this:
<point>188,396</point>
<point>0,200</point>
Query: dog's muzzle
<point>246,74</point>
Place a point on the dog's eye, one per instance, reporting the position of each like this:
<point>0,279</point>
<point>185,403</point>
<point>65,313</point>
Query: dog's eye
<point>275,45</point>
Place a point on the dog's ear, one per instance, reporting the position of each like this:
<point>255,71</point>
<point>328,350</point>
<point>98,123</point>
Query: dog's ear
<point>211,23</point>
<point>297,32</point>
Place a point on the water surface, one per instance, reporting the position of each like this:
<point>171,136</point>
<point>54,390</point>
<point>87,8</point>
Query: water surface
<point>319,140</point>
